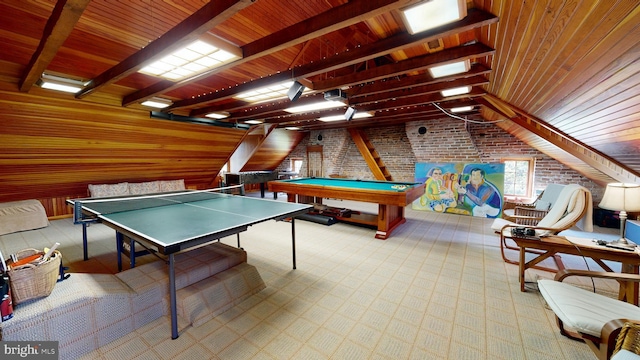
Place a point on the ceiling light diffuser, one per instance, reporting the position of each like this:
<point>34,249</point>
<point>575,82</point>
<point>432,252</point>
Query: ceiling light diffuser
<point>456,91</point>
<point>156,102</point>
<point>433,13</point>
<point>321,105</point>
<point>191,60</point>
<point>218,115</point>
<point>358,115</point>
<point>449,69</point>
<point>461,109</point>
<point>271,92</point>
<point>59,83</point>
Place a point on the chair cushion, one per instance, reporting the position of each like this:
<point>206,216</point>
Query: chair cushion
<point>542,205</point>
<point>583,310</point>
<point>625,355</point>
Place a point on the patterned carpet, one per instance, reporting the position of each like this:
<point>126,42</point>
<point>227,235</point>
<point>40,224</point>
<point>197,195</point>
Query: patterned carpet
<point>436,289</point>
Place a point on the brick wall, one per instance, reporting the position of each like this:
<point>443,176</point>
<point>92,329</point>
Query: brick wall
<point>445,140</point>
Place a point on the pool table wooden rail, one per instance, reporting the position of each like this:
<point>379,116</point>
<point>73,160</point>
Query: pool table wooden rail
<point>391,203</point>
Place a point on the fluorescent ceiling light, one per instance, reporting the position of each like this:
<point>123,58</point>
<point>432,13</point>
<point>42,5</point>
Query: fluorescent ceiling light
<point>321,105</point>
<point>191,60</point>
<point>358,115</point>
<point>456,91</point>
<point>449,69</point>
<point>461,109</point>
<point>266,93</point>
<point>157,102</point>
<point>253,122</point>
<point>433,13</point>
<point>292,128</point>
<point>59,83</point>
<point>218,115</point>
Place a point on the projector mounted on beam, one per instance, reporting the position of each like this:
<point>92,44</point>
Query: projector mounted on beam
<point>335,95</point>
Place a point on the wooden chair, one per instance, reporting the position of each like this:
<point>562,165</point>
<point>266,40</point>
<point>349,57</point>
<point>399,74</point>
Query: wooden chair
<point>586,316</point>
<point>573,205</point>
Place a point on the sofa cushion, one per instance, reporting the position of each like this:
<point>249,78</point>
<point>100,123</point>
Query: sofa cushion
<point>148,187</point>
<point>172,185</point>
<point>106,190</point>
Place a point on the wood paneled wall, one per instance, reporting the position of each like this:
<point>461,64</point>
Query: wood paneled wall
<point>51,148</point>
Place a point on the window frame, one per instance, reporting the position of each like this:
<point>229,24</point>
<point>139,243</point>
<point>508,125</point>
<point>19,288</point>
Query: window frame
<point>530,176</point>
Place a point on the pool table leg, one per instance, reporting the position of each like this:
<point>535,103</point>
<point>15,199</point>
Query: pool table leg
<point>389,218</point>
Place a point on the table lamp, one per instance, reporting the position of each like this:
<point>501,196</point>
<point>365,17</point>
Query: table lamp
<point>621,197</point>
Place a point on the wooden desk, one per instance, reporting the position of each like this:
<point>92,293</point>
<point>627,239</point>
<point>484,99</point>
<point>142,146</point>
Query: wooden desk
<point>552,245</point>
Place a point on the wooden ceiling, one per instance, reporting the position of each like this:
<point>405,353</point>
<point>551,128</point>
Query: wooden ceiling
<point>561,75</point>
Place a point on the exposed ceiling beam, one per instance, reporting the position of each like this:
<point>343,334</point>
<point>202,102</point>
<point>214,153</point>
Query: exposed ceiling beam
<point>63,19</point>
<point>336,18</point>
<point>590,156</point>
<point>186,32</point>
<point>475,19</point>
<point>400,68</point>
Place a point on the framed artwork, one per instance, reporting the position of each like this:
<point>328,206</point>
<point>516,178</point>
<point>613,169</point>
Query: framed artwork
<point>473,189</point>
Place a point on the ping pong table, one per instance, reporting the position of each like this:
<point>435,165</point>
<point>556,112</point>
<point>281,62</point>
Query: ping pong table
<point>177,222</point>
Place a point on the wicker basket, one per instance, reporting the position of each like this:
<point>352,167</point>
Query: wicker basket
<point>34,281</point>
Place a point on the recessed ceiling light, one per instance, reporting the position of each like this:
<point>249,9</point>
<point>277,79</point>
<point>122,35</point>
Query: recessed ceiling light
<point>321,105</point>
<point>449,69</point>
<point>461,109</point>
<point>456,91</point>
<point>218,115</point>
<point>157,102</point>
<point>59,83</point>
<point>433,13</point>
<point>358,115</point>
<point>271,92</point>
<point>192,60</point>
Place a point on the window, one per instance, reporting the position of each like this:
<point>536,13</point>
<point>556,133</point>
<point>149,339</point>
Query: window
<point>518,177</point>
<point>296,165</point>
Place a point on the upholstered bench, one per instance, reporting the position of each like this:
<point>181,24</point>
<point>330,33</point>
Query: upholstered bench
<point>87,311</point>
<point>22,215</point>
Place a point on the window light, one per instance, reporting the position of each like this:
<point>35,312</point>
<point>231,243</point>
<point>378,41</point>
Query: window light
<point>270,92</point>
<point>449,69</point>
<point>358,115</point>
<point>59,83</point>
<point>461,109</point>
<point>157,102</point>
<point>433,13</point>
<point>191,60</point>
<point>321,105</point>
<point>456,91</point>
<point>218,115</point>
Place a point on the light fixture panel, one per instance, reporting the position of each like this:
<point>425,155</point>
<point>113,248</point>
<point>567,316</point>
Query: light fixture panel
<point>458,67</point>
<point>456,91</point>
<point>430,14</point>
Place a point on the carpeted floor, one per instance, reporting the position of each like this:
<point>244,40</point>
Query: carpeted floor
<point>436,289</point>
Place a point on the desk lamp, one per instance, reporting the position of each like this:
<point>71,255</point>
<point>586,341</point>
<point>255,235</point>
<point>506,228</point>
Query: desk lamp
<point>621,197</point>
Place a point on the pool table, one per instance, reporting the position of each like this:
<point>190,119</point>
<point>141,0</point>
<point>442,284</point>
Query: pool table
<point>391,197</point>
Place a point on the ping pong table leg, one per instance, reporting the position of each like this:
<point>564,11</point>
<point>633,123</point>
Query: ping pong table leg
<point>172,298</point>
<point>85,254</point>
<point>293,240</point>
<point>119,240</point>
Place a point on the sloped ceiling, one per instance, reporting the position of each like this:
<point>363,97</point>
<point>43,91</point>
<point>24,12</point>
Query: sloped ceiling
<point>561,75</point>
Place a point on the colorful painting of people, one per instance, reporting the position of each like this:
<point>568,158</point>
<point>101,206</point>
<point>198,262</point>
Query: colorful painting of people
<point>467,189</point>
<point>438,196</point>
